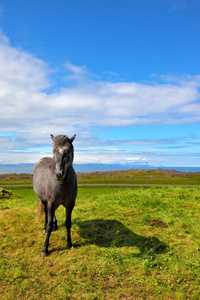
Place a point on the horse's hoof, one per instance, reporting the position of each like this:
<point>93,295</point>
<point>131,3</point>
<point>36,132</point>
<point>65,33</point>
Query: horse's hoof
<point>44,254</point>
<point>69,245</point>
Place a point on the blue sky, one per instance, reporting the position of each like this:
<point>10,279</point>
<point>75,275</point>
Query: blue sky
<point>124,75</point>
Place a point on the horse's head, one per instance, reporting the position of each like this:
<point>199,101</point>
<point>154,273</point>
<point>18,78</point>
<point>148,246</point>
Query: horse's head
<point>63,154</point>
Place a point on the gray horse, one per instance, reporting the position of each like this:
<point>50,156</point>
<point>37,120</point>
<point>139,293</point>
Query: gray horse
<point>55,183</point>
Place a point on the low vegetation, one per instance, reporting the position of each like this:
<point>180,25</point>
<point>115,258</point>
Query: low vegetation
<point>144,176</point>
<point>134,176</point>
<point>129,243</point>
<point>13,179</point>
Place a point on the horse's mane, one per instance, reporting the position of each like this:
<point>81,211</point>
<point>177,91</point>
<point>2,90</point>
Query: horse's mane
<point>59,141</point>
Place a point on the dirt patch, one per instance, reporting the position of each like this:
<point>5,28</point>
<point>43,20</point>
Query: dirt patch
<point>157,223</point>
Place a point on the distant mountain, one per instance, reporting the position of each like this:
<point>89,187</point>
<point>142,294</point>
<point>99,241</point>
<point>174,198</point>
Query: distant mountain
<point>16,168</point>
<point>87,168</point>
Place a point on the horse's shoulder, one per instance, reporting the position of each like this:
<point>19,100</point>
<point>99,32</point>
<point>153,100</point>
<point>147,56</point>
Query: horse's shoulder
<point>43,162</point>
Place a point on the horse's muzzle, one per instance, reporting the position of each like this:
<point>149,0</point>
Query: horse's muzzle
<point>60,178</point>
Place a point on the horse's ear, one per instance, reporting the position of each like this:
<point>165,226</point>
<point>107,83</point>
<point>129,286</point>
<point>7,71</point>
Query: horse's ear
<point>52,137</point>
<point>73,138</point>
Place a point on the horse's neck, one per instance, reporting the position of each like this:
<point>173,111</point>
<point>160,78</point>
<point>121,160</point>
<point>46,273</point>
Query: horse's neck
<point>68,173</point>
<point>53,165</point>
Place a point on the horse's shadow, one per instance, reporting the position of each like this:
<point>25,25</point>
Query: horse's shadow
<point>112,233</point>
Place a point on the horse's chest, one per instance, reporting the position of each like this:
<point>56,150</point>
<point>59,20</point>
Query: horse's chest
<point>58,193</point>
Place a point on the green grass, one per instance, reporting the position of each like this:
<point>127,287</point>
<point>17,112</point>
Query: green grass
<point>129,243</point>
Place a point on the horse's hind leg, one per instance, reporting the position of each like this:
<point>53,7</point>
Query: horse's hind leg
<point>68,224</point>
<point>46,217</point>
<point>49,228</point>
<point>55,226</point>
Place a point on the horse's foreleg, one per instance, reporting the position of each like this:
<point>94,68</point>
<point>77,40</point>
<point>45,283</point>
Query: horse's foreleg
<point>68,224</point>
<point>49,228</point>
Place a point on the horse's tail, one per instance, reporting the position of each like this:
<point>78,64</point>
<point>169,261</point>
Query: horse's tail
<point>40,210</point>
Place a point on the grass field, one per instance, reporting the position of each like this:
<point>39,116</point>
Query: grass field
<point>129,243</point>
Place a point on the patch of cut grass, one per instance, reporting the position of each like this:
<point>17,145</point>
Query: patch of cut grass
<point>17,198</point>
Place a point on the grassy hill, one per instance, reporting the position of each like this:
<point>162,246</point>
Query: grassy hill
<point>133,176</point>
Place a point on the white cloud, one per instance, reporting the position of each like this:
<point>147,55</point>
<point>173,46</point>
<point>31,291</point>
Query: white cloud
<point>75,73</point>
<point>131,157</point>
<point>31,112</point>
<point>21,70</point>
<point>75,69</point>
